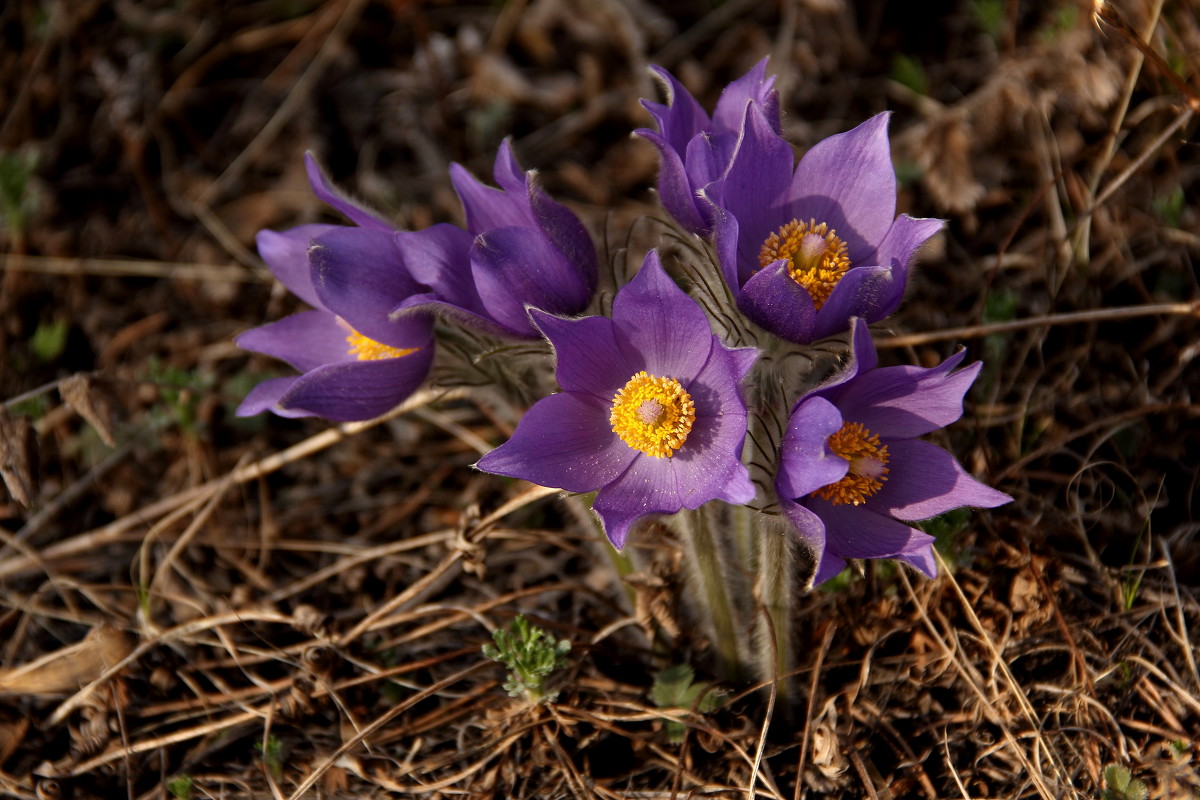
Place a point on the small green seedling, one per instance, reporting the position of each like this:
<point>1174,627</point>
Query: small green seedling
<point>1122,785</point>
<point>675,688</point>
<point>180,787</point>
<point>530,654</point>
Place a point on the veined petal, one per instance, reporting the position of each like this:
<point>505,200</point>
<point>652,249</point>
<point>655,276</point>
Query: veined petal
<point>805,461</point>
<point>903,239</point>
<point>858,532</point>
<point>905,402</point>
<point>359,276</point>
<point>669,330</point>
<point>862,292</point>
<point>563,441</point>
<point>516,268</point>
<point>926,481</point>
<point>286,253</point>
<point>305,340</point>
<point>439,257</point>
<point>330,196</point>
<point>357,390</point>
<point>564,230</point>
<point>775,302</point>
<point>847,181</point>
<point>589,358</point>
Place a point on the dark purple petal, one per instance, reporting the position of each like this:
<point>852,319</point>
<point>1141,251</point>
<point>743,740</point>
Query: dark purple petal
<point>359,276</point>
<point>570,238</point>
<point>487,208</point>
<point>286,254</point>
<point>332,197</point>
<point>858,532</point>
<point>508,173</point>
<point>357,390</point>
<point>754,87</point>
<point>707,157</point>
<point>754,187</point>
<point>862,292</point>
<point>305,340</point>
<point>432,305</point>
<point>847,181</point>
<point>563,441</point>
<point>906,402</point>
<point>725,235</point>
<point>897,250</point>
<point>863,358</point>
<point>440,257</point>
<point>518,268</point>
<point>805,461</point>
<point>828,568</point>
<point>924,481</point>
<point>264,396</point>
<point>588,356</point>
<point>775,302</point>
<point>681,118</point>
<point>675,187</point>
<point>665,325</point>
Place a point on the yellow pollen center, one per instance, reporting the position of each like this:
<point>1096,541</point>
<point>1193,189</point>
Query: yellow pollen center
<point>653,414</point>
<point>365,349</point>
<point>868,465</point>
<point>816,257</point>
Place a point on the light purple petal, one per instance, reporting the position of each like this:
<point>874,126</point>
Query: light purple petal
<point>924,481</point>
<point>810,530</point>
<point>805,461</point>
<point>440,257</point>
<point>487,208</point>
<point>754,87</point>
<point>775,302</point>
<point>675,188</point>
<point>589,358</point>
<point>516,268</point>
<point>858,532</point>
<point>754,187</point>
<point>305,340</point>
<point>264,396</point>
<point>326,193</point>
<point>847,181</point>
<point>681,118</point>
<point>286,254</point>
<point>359,276</point>
<point>862,292</point>
<point>508,173</point>
<point>905,402</point>
<point>569,237</point>
<point>896,250</point>
<point>357,390</point>
<point>663,323</point>
<point>563,441</point>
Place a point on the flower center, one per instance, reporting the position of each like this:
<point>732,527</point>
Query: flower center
<point>868,465</point>
<point>365,349</point>
<point>816,257</point>
<point>653,414</point>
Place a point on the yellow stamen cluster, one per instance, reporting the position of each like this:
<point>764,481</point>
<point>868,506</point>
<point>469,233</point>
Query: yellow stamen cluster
<point>365,349</point>
<point>816,257</point>
<point>868,465</point>
<point>653,414</point>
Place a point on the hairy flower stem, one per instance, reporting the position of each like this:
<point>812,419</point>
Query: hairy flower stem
<point>710,585</point>
<point>774,656</point>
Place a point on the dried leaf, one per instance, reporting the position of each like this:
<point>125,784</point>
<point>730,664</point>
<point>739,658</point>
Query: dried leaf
<point>68,668</point>
<point>79,392</point>
<point>18,447</point>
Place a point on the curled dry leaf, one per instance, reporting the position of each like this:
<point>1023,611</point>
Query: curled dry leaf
<point>68,668</point>
<point>82,393</point>
<point>17,462</point>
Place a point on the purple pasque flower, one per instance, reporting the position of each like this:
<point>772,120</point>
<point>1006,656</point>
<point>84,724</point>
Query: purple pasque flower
<point>650,415</point>
<point>355,362</point>
<point>695,149</point>
<point>852,472</point>
<point>520,250</point>
<point>805,251</point>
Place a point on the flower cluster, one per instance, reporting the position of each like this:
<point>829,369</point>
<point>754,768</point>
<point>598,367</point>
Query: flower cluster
<point>656,409</point>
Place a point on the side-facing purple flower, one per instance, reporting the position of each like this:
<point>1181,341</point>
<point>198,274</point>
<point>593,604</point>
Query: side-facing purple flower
<point>805,251</point>
<point>852,471</point>
<point>650,414</point>
<point>355,363</point>
<point>520,250</point>
<point>694,149</point>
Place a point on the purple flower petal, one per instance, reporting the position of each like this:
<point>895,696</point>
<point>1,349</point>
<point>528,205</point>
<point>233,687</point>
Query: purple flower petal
<point>286,254</point>
<point>264,396</point>
<point>438,257</point>
<point>563,441</point>
<point>305,340</point>
<point>896,250</point>
<point>927,481</point>
<point>487,208</point>
<point>589,357</point>
<point>357,390</point>
<point>862,292</point>
<point>682,117</point>
<point>516,268</point>
<point>847,181</point>
<point>668,328</point>
<point>858,532</point>
<point>675,187</point>
<point>332,197</point>
<point>753,88</point>
<point>906,402</point>
<point>805,462</point>
<point>775,302</point>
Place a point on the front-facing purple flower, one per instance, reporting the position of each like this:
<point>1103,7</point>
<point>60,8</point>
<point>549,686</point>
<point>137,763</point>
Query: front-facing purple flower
<point>695,150</point>
<point>804,252</point>
<point>852,471</point>
<point>651,415</point>
<point>520,250</point>
<point>355,362</point>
